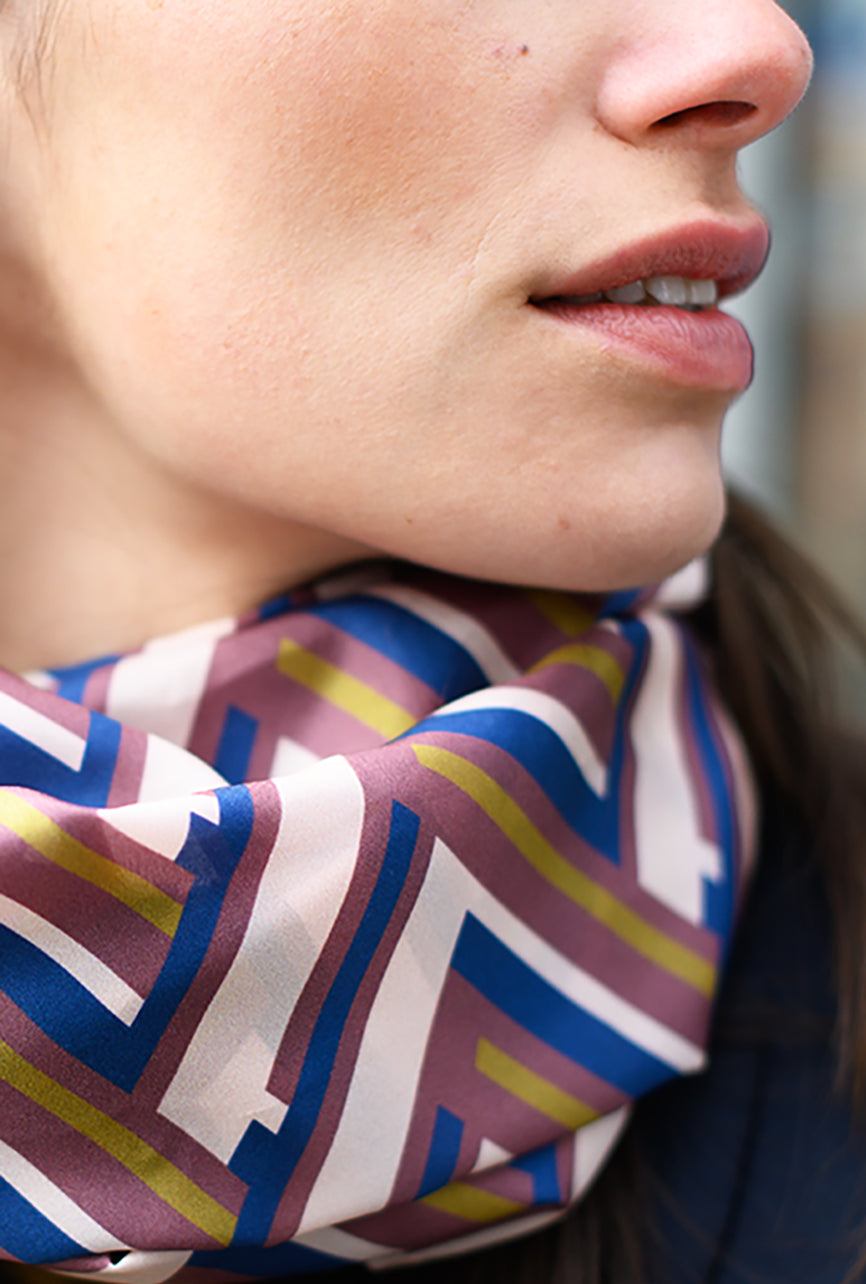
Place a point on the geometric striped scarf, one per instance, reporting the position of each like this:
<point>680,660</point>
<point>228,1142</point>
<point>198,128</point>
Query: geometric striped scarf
<point>348,930</point>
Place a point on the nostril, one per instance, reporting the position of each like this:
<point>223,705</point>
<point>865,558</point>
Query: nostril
<point>717,113</point>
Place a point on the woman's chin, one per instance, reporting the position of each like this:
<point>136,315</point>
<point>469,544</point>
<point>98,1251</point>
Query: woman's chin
<point>589,548</point>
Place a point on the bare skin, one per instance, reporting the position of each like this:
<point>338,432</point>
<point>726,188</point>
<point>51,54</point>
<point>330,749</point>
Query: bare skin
<point>265,273</point>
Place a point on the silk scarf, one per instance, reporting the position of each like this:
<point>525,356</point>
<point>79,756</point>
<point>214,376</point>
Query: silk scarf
<point>348,930</point>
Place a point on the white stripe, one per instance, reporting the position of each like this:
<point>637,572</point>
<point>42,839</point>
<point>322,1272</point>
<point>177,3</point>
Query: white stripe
<point>381,1098</point>
<point>207,806</point>
<point>686,588</point>
<point>490,1156</point>
<point>159,689</point>
<point>220,1086</point>
<point>457,625</point>
<point>546,709</point>
<point>746,790</point>
<point>632,1023</point>
<point>339,1243</point>
<point>500,1233</point>
<point>290,757</point>
<point>673,857</point>
<point>175,786</point>
<point>40,679</point>
<point>44,733</point>
<point>54,1204</point>
<point>162,827</point>
<point>105,986</point>
<point>592,1145</point>
<point>172,772</point>
<point>137,1268</point>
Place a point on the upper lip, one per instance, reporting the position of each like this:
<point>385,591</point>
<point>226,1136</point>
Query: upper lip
<point>732,255</point>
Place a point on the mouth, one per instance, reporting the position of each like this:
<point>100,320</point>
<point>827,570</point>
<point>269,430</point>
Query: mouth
<point>691,268</point>
<point>655,303</point>
<point>667,291</point>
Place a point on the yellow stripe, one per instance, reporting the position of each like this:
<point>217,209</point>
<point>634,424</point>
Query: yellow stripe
<point>530,1087</point>
<point>593,658</point>
<point>341,689</point>
<point>471,1204</point>
<point>166,1181</point>
<point>56,845</point>
<point>578,887</point>
<point>563,611</point>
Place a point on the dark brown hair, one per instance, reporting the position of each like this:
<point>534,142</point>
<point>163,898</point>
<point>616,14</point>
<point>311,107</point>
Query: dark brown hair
<point>774,627</point>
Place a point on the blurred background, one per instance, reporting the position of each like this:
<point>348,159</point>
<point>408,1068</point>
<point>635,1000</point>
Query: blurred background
<point>797,441</point>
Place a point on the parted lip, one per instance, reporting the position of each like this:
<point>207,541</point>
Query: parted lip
<point>730,255</point>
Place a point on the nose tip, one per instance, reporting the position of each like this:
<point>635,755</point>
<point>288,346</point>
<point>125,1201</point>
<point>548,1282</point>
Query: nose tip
<point>721,73</point>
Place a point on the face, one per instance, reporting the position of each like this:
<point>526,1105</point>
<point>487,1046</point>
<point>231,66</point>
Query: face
<point>338,261</point>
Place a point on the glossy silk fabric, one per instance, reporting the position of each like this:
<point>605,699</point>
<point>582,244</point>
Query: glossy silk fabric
<point>348,930</point>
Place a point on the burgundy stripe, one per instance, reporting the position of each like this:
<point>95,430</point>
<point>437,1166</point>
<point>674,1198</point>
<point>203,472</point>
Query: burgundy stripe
<point>532,799</point>
<point>98,1183</point>
<point>66,714</point>
<point>362,661</point>
<point>106,928</point>
<point>566,926</point>
<point>626,825</point>
<point>509,616</point>
<point>40,1051</point>
<point>293,1048</point>
<point>411,1226</point>
<point>97,687</point>
<point>586,696</point>
<point>94,830</point>
<point>231,927</point>
<point>449,1079</point>
<point>129,768</point>
<point>295,1197</point>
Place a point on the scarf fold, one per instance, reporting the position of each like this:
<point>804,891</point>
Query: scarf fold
<point>348,931</point>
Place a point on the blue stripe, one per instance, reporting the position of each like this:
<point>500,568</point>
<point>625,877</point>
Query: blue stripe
<point>638,638</point>
<point>267,1162</point>
<point>61,1007</point>
<point>541,1166</point>
<point>620,603</point>
<point>284,604</point>
<point>21,763</point>
<point>543,755</point>
<point>236,746</point>
<point>27,1235</point>
<point>211,853</point>
<point>513,987</point>
<point>414,644</point>
<point>70,1015</point>
<point>719,898</point>
<point>73,680</point>
<point>444,1152</point>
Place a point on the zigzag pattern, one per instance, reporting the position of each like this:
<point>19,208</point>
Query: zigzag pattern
<point>350,929</point>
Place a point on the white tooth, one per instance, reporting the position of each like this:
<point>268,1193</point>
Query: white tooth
<point>703,294</point>
<point>671,290</point>
<point>631,293</point>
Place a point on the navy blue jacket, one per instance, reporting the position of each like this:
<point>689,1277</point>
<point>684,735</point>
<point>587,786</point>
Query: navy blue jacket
<point>758,1168</point>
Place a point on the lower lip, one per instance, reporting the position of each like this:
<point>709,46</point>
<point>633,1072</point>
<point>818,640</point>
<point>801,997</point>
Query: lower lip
<point>694,349</point>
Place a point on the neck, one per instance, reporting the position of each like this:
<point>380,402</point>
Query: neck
<point>101,547</point>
